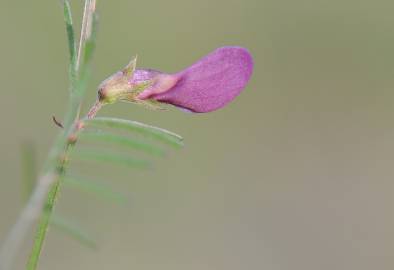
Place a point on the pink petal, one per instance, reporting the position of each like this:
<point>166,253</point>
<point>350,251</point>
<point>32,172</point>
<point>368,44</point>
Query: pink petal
<point>207,85</point>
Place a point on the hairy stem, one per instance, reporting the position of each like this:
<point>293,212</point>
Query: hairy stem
<point>94,110</point>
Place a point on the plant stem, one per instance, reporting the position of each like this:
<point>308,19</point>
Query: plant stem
<point>43,227</point>
<point>43,198</point>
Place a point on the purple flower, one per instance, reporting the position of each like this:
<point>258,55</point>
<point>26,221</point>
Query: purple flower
<point>207,85</point>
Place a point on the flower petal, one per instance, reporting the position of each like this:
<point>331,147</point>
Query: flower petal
<point>207,85</point>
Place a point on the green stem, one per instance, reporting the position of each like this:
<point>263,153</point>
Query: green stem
<point>58,156</point>
<point>42,200</point>
<point>56,165</point>
<point>43,227</point>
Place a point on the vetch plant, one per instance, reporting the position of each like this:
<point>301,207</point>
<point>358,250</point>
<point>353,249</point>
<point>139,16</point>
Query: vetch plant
<point>205,86</point>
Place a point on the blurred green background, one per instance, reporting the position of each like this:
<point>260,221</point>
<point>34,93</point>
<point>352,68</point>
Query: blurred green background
<point>297,173</point>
